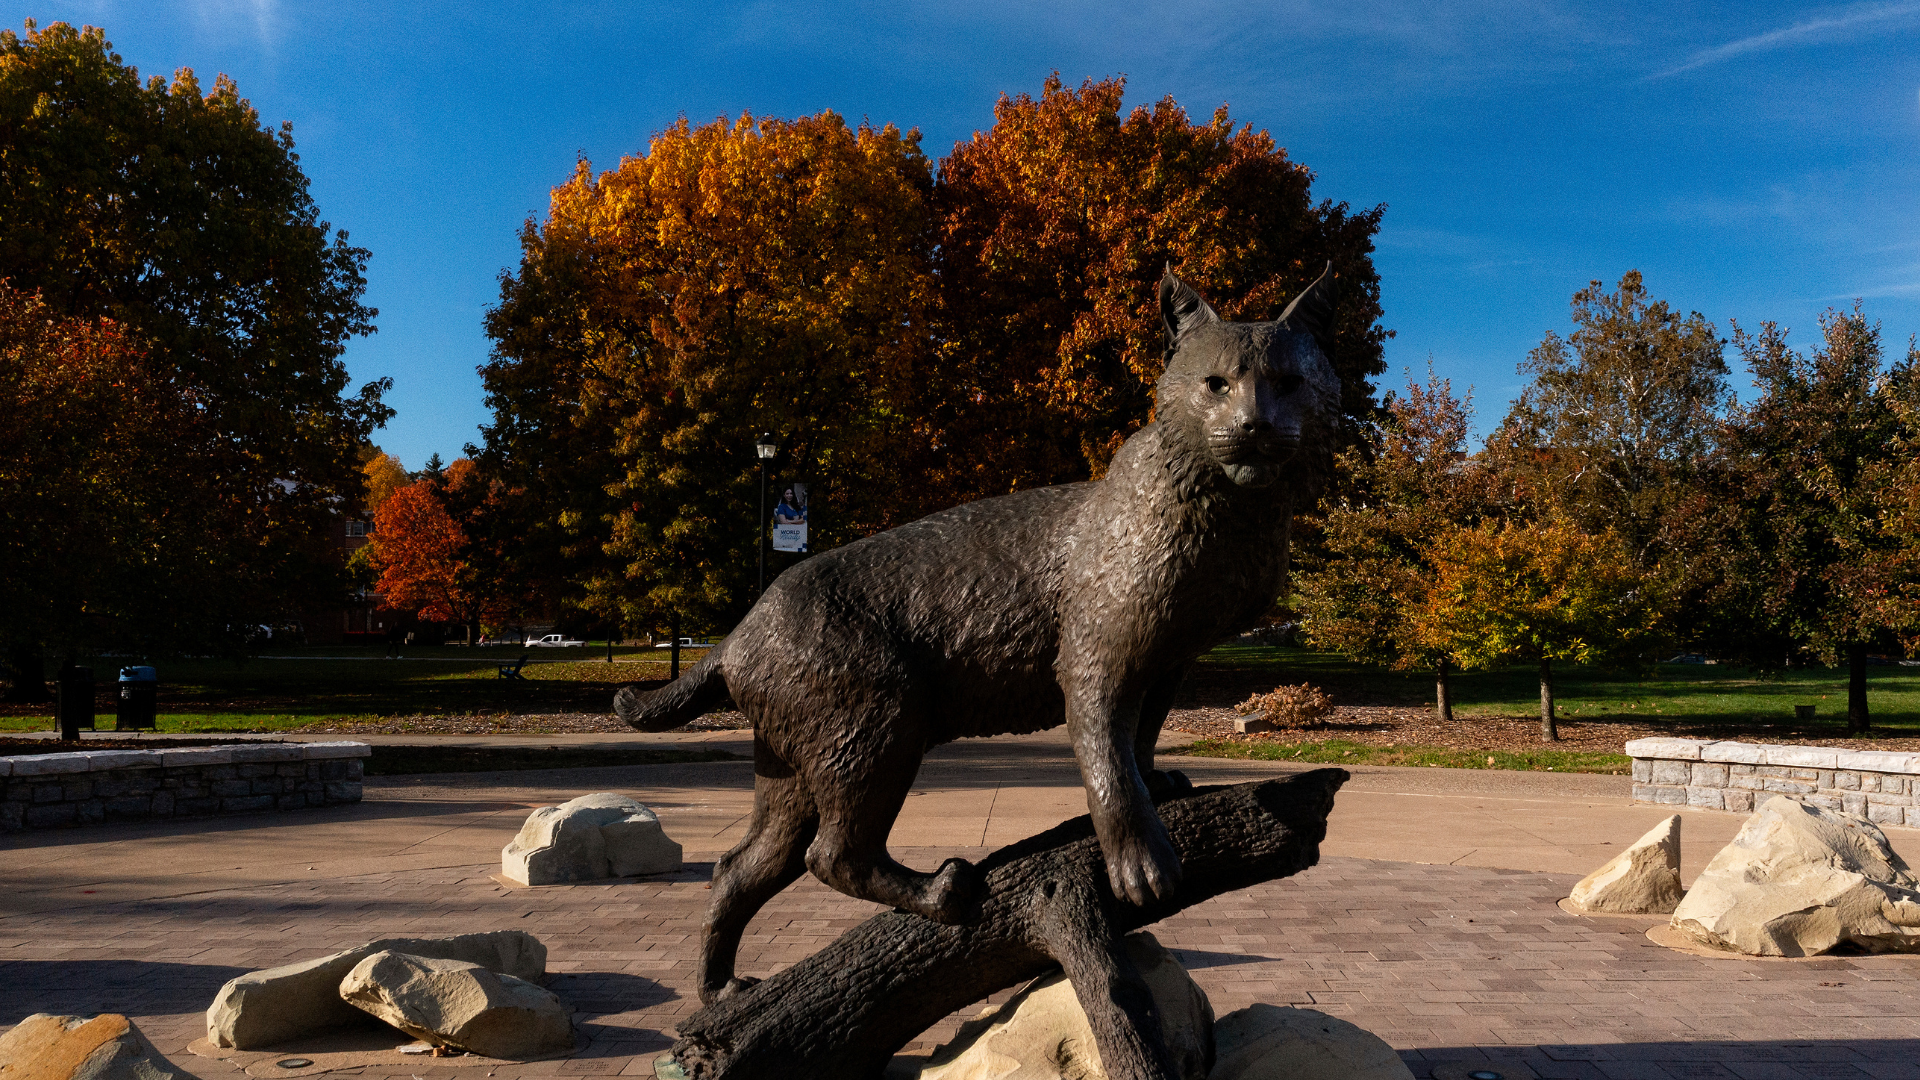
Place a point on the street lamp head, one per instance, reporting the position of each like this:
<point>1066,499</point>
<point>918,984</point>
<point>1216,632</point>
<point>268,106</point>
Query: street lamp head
<point>766,447</point>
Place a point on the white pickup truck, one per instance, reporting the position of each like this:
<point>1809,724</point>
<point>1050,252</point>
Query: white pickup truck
<point>552,640</point>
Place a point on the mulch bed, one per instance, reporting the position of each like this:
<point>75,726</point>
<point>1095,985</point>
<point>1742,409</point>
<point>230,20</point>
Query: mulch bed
<point>1398,726</point>
<point>528,724</point>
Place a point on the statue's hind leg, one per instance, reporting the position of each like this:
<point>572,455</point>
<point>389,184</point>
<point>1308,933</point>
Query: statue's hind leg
<point>857,809</point>
<point>1153,714</point>
<point>771,857</point>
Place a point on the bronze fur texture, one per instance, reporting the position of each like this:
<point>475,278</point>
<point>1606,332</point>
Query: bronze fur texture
<point>1081,604</point>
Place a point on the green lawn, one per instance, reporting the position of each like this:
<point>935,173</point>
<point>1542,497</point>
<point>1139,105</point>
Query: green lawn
<point>1691,696</point>
<point>335,683</point>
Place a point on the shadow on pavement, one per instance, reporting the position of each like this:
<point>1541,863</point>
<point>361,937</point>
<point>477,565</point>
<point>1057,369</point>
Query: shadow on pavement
<point>86,987</point>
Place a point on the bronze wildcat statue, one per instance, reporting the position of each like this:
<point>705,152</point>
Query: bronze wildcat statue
<point>1083,603</point>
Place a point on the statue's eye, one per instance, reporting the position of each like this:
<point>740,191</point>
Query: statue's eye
<point>1218,385</point>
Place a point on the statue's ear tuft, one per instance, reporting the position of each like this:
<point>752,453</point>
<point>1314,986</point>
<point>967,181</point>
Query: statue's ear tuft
<point>1312,310</point>
<point>1181,309</point>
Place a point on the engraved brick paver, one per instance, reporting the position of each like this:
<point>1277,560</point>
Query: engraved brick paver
<point>1446,963</point>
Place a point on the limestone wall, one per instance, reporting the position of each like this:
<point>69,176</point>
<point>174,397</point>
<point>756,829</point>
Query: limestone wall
<point>1878,785</point>
<point>87,787</point>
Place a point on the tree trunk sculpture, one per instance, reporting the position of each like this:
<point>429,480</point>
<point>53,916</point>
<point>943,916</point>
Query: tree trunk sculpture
<point>845,1011</point>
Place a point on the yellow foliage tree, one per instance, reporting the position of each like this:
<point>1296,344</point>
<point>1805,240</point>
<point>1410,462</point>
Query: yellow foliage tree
<point>385,475</point>
<point>1535,592</point>
<point>759,275</point>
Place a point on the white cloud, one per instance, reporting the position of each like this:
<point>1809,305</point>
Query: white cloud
<point>224,17</point>
<point>1843,23</point>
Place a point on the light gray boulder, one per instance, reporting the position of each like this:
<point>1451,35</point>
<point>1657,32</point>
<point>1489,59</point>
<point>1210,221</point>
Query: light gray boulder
<point>1798,881</point>
<point>1041,1033</point>
<point>262,1008</point>
<point>452,1003</point>
<point>1642,880</point>
<point>1272,1042</point>
<point>588,839</point>
<point>104,1047</point>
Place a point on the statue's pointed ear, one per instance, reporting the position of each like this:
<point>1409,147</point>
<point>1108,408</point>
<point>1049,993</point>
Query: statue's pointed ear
<point>1181,309</point>
<point>1312,310</point>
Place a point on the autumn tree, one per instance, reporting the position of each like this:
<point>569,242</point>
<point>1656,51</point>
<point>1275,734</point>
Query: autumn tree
<point>1536,592</point>
<point>103,535</point>
<point>1412,482</point>
<point>1817,563</point>
<point>1054,228</point>
<point>424,554</point>
<point>734,278</point>
<point>384,475</point>
<point>170,210</point>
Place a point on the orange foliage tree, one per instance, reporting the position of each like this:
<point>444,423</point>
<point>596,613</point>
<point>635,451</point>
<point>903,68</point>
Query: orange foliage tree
<point>913,341</point>
<point>423,554</point>
<point>1358,590</point>
<point>1054,228</point>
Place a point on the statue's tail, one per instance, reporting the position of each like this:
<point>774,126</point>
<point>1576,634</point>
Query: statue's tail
<point>677,703</point>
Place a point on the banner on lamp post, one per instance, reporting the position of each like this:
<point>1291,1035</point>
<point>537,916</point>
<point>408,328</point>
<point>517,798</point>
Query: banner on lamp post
<point>790,518</point>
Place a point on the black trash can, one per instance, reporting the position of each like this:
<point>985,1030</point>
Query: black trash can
<point>139,699</point>
<point>74,705</point>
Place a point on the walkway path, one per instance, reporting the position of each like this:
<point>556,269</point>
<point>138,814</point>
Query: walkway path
<point>1430,920</point>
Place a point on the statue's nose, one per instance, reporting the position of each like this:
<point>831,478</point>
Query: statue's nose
<point>1253,426</point>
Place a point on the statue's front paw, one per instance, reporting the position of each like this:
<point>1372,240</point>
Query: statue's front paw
<point>1143,867</point>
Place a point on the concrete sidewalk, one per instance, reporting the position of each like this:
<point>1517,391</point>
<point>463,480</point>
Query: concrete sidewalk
<point>1430,921</point>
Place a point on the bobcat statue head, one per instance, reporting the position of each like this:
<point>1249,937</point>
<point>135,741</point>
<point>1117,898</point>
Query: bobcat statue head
<point>1248,395</point>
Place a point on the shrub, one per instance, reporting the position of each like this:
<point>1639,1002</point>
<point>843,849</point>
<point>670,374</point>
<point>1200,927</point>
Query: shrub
<point>1305,705</point>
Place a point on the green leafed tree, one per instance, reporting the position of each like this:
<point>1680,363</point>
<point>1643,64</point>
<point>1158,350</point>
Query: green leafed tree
<point>1617,429</point>
<point>172,211</point>
<point>1821,560</point>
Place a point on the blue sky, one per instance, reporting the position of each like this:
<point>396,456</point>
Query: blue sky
<point>1754,161</point>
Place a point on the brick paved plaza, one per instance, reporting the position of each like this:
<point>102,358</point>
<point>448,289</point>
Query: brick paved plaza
<point>1470,962</point>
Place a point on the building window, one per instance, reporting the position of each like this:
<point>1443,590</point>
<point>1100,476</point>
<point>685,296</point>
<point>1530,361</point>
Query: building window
<point>356,528</point>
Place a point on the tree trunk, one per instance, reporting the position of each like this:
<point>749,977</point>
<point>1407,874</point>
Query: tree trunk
<point>1442,694</point>
<point>673,664</point>
<point>1858,722</point>
<point>1549,730</point>
<point>28,672</point>
<point>845,1010</point>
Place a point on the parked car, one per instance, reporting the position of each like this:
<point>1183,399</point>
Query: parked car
<point>554,641</point>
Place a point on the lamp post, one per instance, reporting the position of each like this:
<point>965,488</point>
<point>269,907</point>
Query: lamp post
<point>765,447</point>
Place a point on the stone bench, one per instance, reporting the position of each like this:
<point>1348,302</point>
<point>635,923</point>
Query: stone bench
<point>1878,785</point>
<point>87,787</point>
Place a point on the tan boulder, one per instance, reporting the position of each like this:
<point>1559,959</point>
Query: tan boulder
<point>262,1008</point>
<point>1798,881</point>
<point>104,1047</point>
<point>1642,880</point>
<point>590,838</point>
<point>1041,1033</point>
<point>453,1003</point>
<point>1272,1042</point>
